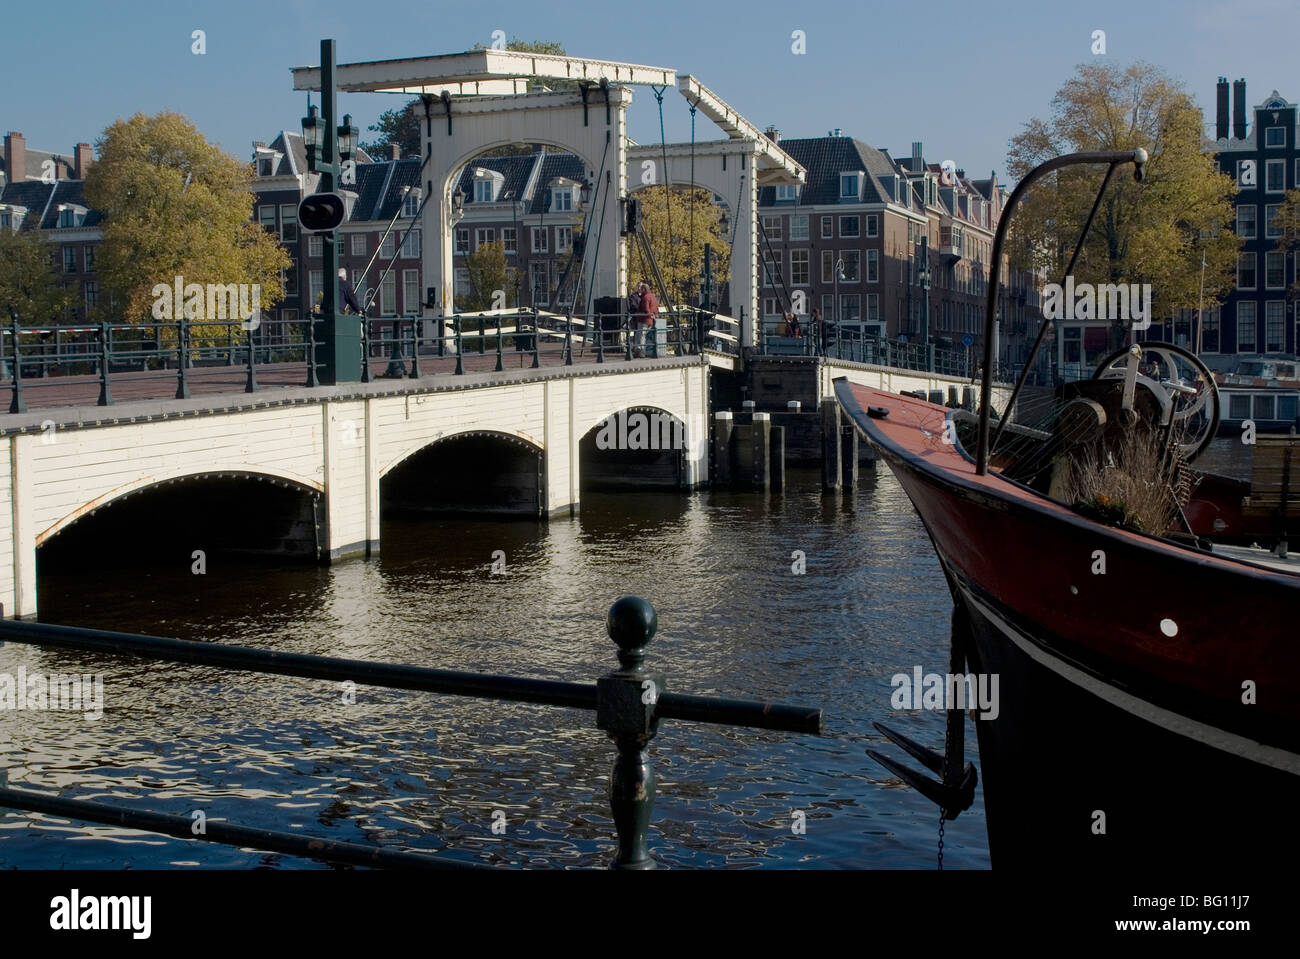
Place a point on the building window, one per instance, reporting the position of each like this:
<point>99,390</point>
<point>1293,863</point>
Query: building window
<point>411,203</point>
<point>1272,228</point>
<point>771,266</point>
<point>266,217</point>
<point>1246,327</point>
<point>771,307</point>
<point>66,219</point>
<point>787,193</point>
<point>315,285</point>
<point>541,237</point>
<point>358,244</point>
<point>289,280</point>
<point>411,291</point>
<point>850,227</point>
<point>264,167</point>
<point>462,241</point>
<point>851,258</point>
<point>563,239</point>
<point>1275,137</point>
<point>849,186</point>
<point>828,266</point>
<point>411,245</point>
<point>1246,217</point>
<point>90,259</point>
<point>828,227</point>
<point>69,259</point>
<point>91,289</point>
<point>772,227</point>
<point>1246,271</point>
<point>388,295</point>
<point>289,223</point>
<point>510,239</point>
<point>873,225</point>
<point>873,307</point>
<point>314,244</point>
<point>483,191</point>
<point>1275,176</point>
<point>799,227</point>
<point>873,266</point>
<point>799,272</point>
<point>540,282</point>
<point>1274,325</point>
<point>828,306</point>
<point>461,277</point>
<point>850,307</point>
<point>387,246</point>
<point>1274,270</point>
<point>562,200</point>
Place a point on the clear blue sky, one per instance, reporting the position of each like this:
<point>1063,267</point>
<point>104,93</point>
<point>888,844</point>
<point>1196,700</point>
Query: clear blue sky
<point>961,77</point>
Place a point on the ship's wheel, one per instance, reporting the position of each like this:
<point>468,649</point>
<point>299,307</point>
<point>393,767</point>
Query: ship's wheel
<point>1179,378</point>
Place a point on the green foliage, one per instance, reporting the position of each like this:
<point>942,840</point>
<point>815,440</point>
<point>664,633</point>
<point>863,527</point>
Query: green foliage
<point>30,285</point>
<point>397,126</point>
<point>1153,232</point>
<point>157,227</point>
<point>488,273</point>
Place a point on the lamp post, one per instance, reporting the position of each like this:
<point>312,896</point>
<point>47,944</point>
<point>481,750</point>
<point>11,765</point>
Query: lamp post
<point>329,150</point>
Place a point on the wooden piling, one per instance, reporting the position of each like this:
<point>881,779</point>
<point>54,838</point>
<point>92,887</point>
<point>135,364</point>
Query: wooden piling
<point>777,448</point>
<point>723,427</point>
<point>849,456</point>
<point>831,445</point>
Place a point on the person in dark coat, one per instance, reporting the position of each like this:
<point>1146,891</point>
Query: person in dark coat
<point>347,293</point>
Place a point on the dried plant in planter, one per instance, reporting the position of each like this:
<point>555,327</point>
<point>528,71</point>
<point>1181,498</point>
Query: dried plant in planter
<point>1126,481</point>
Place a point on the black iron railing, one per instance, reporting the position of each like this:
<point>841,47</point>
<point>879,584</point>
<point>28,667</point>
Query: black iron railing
<point>181,350</point>
<point>629,704</point>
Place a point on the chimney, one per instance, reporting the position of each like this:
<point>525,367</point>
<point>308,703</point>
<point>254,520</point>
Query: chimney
<point>917,162</point>
<point>394,152</point>
<point>15,157</point>
<point>773,134</point>
<point>1221,112</point>
<point>83,157</point>
<point>1239,109</point>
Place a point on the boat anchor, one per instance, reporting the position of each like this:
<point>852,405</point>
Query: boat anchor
<point>950,795</point>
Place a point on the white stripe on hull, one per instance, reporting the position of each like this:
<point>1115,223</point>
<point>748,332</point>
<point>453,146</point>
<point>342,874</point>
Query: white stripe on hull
<point>1174,722</point>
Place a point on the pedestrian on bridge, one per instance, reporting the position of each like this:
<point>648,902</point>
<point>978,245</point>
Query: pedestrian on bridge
<point>645,307</point>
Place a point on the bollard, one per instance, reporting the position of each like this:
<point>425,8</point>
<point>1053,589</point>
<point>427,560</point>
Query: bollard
<point>723,427</point>
<point>756,463</point>
<point>625,710</point>
<point>500,356</point>
<point>250,381</point>
<point>831,470</point>
<point>182,361</point>
<point>105,348</point>
<point>415,349</point>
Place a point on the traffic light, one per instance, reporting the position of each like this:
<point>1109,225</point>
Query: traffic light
<point>321,212</point>
<point>633,215</point>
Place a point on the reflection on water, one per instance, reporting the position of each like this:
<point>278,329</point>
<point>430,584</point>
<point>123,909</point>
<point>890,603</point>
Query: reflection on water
<point>414,770</point>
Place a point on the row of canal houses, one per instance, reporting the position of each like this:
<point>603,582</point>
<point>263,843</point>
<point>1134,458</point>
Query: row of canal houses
<point>849,239</point>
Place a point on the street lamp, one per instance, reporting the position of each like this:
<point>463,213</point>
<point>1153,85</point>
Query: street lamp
<point>311,133</point>
<point>347,135</point>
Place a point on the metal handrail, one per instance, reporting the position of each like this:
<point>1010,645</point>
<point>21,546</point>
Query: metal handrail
<point>629,703</point>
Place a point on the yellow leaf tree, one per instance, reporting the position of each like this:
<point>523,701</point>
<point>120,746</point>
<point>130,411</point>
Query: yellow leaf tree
<point>1153,232</point>
<point>678,222</point>
<point>29,283</point>
<point>176,205</point>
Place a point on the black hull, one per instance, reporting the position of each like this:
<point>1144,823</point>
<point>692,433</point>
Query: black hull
<point>1058,753</point>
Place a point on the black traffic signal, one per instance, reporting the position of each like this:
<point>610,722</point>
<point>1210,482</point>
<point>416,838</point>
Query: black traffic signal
<point>321,212</point>
<point>633,215</point>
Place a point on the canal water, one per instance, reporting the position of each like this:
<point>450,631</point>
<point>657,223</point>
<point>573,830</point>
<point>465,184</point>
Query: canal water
<point>414,770</point>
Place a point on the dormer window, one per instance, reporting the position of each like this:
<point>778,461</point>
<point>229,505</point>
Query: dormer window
<point>850,186</point>
<point>266,160</point>
<point>264,166</point>
<point>787,193</point>
<point>71,216</point>
<point>412,203</point>
<point>487,185</point>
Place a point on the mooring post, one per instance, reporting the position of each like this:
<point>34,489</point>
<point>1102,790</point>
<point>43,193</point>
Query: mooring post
<point>830,409</point>
<point>723,426</point>
<point>625,710</point>
<point>760,452</point>
<point>849,455</point>
<point>777,465</point>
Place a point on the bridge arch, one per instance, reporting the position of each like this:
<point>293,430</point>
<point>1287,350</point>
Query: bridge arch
<point>481,471</point>
<point>640,447</point>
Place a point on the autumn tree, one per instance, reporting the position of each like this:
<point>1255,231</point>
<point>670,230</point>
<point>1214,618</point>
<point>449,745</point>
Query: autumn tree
<point>1153,232</point>
<point>1287,221</point>
<point>176,205</point>
<point>695,220</point>
<point>489,273</point>
<point>29,283</point>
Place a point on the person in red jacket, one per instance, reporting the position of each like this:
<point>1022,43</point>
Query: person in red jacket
<point>643,316</point>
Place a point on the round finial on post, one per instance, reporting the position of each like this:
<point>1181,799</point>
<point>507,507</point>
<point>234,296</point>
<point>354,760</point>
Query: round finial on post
<point>631,625</point>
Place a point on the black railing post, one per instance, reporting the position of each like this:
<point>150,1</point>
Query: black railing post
<point>182,355</point>
<point>625,709</point>
<point>365,348</point>
<point>17,404</point>
<point>568,340</point>
<point>500,358</point>
<point>460,346</point>
<point>230,345</point>
<point>482,347</point>
<point>396,361</point>
<point>537,340</point>
<point>415,348</point>
<point>250,385</point>
<point>105,345</point>
<point>312,378</point>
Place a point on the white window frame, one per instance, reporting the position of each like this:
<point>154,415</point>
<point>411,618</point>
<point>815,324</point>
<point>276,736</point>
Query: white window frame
<point>69,259</point>
<point>410,291</point>
<point>828,228</point>
<point>772,227</point>
<point>873,226</point>
<point>462,241</point>
<point>799,228</point>
<point>1270,217</point>
<point>1244,307</point>
<point>358,244</point>
<point>88,258</point>
<point>857,227</point>
<point>512,244</point>
<point>1277,307</point>
<point>411,245</point>
<point>1274,165</point>
<point>1241,257</point>
<point>856,179</point>
<point>315,245</point>
<point>851,257</point>
<point>563,239</point>
<point>787,192</point>
<point>388,295</point>
<point>807,267</point>
<point>1268,137</point>
<point>484,235</point>
<point>873,266</point>
<point>1275,256</point>
<point>1247,221</point>
<point>541,240</point>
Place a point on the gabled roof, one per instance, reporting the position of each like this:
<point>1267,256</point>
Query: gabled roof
<point>517,171</point>
<point>825,158</point>
<point>555,165</point>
